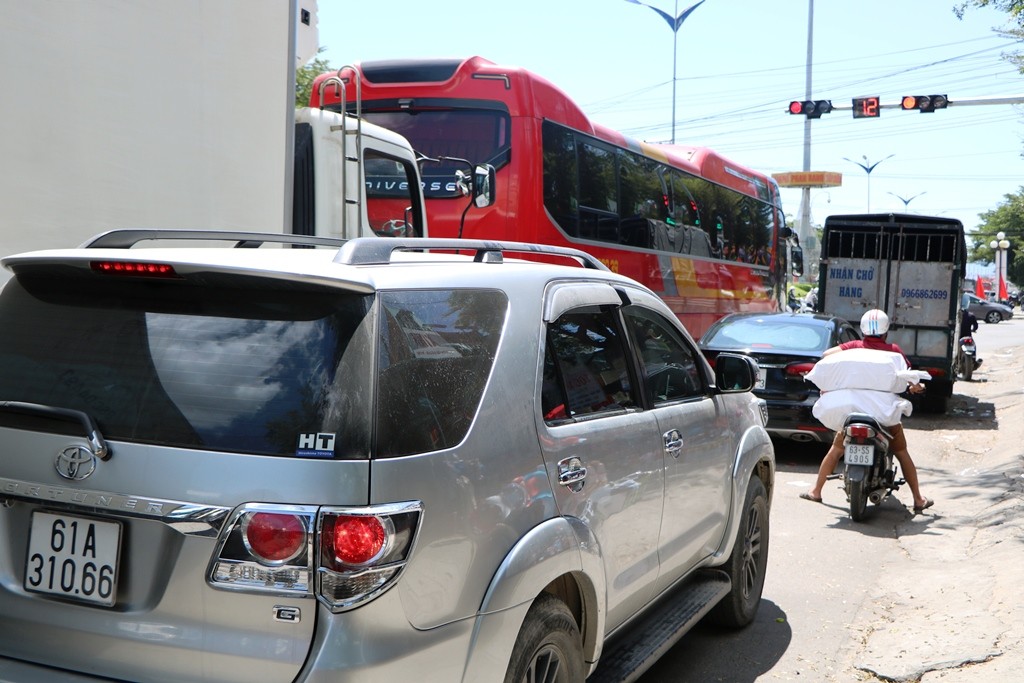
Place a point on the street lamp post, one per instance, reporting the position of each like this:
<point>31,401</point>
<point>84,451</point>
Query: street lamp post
<point>906,202</point>
<point>868,168</point>
<point>1000,245</point>
<point>674,22</point>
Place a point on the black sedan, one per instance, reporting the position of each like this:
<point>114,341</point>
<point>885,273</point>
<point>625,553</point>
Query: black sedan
<point>786,346</point>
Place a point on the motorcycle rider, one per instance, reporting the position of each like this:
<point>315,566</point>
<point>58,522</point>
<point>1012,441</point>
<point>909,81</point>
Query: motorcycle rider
<point>874,325</point>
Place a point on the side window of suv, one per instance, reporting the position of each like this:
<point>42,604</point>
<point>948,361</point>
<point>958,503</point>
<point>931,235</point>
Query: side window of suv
<point>670,368</point>
<point>585,366</point>
<point>435,353</point>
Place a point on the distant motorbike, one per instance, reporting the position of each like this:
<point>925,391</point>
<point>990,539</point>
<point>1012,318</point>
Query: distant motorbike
<point>870,473</point>
<point>967,359</point>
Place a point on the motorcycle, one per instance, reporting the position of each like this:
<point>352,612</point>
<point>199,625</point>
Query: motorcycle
<point>967,360</point>
<point>870,473</point>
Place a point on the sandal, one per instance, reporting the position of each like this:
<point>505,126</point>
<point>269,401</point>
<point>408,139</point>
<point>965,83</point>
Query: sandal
<point>928,502</point>
<point>807,496</point>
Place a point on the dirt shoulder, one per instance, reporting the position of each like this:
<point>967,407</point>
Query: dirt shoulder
<point>949,609</point>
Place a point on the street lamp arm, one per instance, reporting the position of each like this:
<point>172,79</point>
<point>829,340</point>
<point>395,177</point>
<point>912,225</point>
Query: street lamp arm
<point>872,168</point>
<point>673,22</point>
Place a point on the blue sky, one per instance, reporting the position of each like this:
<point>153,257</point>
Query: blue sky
<point>739,64</point>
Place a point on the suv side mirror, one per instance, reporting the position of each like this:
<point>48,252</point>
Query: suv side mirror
<point>734,373</point>
<point>483,185</point>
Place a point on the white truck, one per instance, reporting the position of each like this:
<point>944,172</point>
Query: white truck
<point>181,115</point>
<point>912,267</point>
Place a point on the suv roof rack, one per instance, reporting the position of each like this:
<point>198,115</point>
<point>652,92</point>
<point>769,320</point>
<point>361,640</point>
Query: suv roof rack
<point>126,239</point>
<point>362,251</point>
<point>365,251</point>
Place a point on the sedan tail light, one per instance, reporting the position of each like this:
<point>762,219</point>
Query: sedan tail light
<point>343,556</point>
<point>799,369</point>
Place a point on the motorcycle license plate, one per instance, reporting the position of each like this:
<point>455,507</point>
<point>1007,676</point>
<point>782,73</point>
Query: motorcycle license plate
<point>859,454</point>
<point>73,557</point>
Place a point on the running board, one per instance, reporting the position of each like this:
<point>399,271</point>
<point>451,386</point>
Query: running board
<point>654,634</point>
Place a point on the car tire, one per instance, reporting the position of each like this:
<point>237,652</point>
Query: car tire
<point>747,563</point>
<point>993,317</point>
<point>549,647</point>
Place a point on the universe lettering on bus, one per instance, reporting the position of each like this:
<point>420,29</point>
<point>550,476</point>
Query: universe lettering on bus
<point>396,187</point>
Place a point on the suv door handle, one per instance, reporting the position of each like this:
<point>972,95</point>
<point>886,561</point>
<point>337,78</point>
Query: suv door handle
<point>673,442</point>
<point>572,474</point>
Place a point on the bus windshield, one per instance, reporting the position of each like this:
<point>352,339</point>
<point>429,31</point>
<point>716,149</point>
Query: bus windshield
<point>478,136</point>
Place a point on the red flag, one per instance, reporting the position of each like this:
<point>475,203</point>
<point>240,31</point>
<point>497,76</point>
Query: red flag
<point>979,288</point>
<point>1003,296</point>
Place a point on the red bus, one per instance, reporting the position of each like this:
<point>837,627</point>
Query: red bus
<point>705,233</point>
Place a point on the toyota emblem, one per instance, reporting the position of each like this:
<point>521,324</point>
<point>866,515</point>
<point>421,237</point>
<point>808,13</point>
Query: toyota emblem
<point>75,463</point>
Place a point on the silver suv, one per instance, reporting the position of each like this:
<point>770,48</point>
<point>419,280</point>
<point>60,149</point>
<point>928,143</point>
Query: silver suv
<point>381,461</point>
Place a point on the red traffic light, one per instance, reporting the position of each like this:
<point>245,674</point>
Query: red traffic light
<point>924,103</point>
<point>811,109</point>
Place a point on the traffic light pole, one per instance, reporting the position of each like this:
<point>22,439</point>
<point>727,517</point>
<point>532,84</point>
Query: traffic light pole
<point>962,102</point>
<point>805,194</point>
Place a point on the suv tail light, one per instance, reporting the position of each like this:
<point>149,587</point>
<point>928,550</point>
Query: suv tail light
<point>343,556</point>
<point>274,538</point>
<point>362,551</point>
<point>138,268</point>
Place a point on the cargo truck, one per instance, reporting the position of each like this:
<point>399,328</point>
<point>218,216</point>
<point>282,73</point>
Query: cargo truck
<point>148,124</point>
<point>911,267</point>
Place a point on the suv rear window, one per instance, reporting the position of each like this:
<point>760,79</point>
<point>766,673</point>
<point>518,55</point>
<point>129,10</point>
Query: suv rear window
<point>229,364</point>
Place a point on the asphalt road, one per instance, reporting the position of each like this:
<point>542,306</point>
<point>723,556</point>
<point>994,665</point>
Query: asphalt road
<point>898,597</point>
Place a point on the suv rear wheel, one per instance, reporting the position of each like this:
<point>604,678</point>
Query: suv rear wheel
<point>747,564</point>
<point>549,648</point>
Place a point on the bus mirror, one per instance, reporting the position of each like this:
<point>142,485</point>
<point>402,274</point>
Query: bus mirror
<point>797,261</point>
<point>483,185</point>
<point>785,233</point>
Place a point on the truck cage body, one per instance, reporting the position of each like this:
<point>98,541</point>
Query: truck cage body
<point>911,267</point>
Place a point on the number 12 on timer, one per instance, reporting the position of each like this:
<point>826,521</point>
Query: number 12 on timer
<point>866,107</point>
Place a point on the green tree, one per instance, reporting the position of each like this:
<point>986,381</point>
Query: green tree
<point>1015,8</point>
<point>304,76</point>
<point>1007,218</point>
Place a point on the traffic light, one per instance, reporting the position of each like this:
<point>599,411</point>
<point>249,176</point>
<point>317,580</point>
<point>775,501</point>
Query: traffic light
<point>811,109</point>
<point>866,107</point>
<point>924,103</point>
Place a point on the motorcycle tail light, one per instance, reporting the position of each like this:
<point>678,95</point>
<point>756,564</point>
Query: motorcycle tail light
<point>968,340</point>
<point>859,431</point>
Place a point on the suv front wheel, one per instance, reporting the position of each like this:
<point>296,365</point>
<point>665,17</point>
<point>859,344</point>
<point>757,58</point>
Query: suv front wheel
<point>549,647</point>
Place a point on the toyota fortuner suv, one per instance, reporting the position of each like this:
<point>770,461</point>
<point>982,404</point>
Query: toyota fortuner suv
<point>373,460</point>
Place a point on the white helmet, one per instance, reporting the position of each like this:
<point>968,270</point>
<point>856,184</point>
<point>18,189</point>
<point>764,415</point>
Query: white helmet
<point>874,323</point>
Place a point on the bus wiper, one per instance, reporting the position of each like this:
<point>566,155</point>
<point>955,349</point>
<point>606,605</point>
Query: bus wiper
<point>97,444</point>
